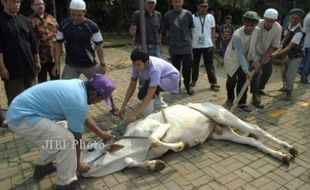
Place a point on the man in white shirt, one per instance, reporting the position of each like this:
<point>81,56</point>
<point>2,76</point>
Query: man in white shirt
<point>269,40</point>
<point>305,67</point>
<point>203,40</point>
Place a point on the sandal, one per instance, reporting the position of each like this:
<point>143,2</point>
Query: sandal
<point>114,111</point>
<point>245,108</point>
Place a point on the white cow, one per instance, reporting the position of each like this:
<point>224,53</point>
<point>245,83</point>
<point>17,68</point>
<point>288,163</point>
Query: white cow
<point>186,127</point>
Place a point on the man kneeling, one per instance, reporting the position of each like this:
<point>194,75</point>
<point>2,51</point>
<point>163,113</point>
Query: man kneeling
<point>33,115</point>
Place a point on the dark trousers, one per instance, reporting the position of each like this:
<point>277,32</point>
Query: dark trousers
<point>238,79</point>
<point>207,54</point>
<point>145,87</point>
<point>265,75</point>
<point>16,86</point>
<point>46,68</point>
<point>186,62</point>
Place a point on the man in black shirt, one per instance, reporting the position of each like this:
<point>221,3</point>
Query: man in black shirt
<point>152,28</point>
<point>19,59</point>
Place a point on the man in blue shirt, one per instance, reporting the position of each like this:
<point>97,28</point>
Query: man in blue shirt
<point>33,115</point>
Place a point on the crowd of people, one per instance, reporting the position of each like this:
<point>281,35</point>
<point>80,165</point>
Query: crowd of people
<point>31,49</point>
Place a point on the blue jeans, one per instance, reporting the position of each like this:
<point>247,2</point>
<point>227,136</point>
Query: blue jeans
<point>152,49</point>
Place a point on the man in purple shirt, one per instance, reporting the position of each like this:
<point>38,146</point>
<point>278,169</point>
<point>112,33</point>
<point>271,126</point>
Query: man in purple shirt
<point>158,75</point>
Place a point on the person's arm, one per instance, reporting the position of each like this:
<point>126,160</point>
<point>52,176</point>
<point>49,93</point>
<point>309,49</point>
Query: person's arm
<point>295,41</point>
<point>91,125</point>
<point>237,44</point>
<point>58,50</point>
<point>82,167</point>
<point>134,23</point>
<point>213,31</point>
<point>131,89</point>
<point>37,62</point>
<point>4,73</point>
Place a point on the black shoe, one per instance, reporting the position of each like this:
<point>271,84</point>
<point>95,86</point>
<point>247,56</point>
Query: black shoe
<point>190,91</point>
<point>72,186</point>
<point>258,104</point>
<point>261,93</point>
<point>215,87</point>
<point>229,102</point>
<point>245,108</point>
<point>193,84</point>
<point>41,171</point>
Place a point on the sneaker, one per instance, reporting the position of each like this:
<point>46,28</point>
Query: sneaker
<point>245,108</point>
<point>305,81</point>
<point>193,84</point>
<point>261,93</point>
<point>72,186</point>
<point>190,91</point>
<point>229,102</point>
<point>287,97</point>
<point>215,87</point>
<point>40,171</point>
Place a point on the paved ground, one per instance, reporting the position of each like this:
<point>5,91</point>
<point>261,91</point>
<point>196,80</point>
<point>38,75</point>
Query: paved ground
<point>213,165</point>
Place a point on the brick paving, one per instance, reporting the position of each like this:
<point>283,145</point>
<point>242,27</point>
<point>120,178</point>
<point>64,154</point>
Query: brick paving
<point>212,165</point>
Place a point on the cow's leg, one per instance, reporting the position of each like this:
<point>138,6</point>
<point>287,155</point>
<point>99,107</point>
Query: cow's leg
<point>151,165</point>
<point>284,144</point>
<point>230,135</point>
<point>160,133</point>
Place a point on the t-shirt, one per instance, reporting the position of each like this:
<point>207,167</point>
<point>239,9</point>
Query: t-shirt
<point>307,30</point>
<point>268,38</point>
<point>55,100</point>
<point>156,72</point>
<point>152,27</point>
<point>179,25</point>
<point>80,42</point>
<point>202,35</point>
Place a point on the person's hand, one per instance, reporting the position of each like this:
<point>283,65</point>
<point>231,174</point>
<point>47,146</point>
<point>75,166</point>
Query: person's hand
<point>83,167</point>
<point>249,75</point>
<point>4,73</point>
<point>38,67</point>
<point>56,70</point>
<point>106,135</point>
<point>133,30</point>
<point>276,53</point>
<point>256,66</point>
<point>102,69</point>
<point>121,112</point>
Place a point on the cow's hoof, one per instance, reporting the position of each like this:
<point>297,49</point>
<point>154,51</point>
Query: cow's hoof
<point>293,151</point>
<point>159,165</point>
<point>286,160</point>
<point>251,135</point>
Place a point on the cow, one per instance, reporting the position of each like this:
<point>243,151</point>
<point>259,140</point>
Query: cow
<point>175,128</point>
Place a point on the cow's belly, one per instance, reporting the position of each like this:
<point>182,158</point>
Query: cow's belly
<point>187,125</point>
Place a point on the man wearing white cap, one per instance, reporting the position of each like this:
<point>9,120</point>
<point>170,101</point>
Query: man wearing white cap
<point>268,42</point>
<point>80,33</point>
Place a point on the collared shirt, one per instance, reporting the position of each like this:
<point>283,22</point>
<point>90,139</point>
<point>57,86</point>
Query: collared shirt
<point>80,42</point>
<point>179,25</point>
<point>152,27</point>
<point>18,45</point>
<point>307,30</point>
<point>54,100</point>
<point>202,36</point>
<point>45,29</point>
<point>268,38</point>
<point>157,71</point>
